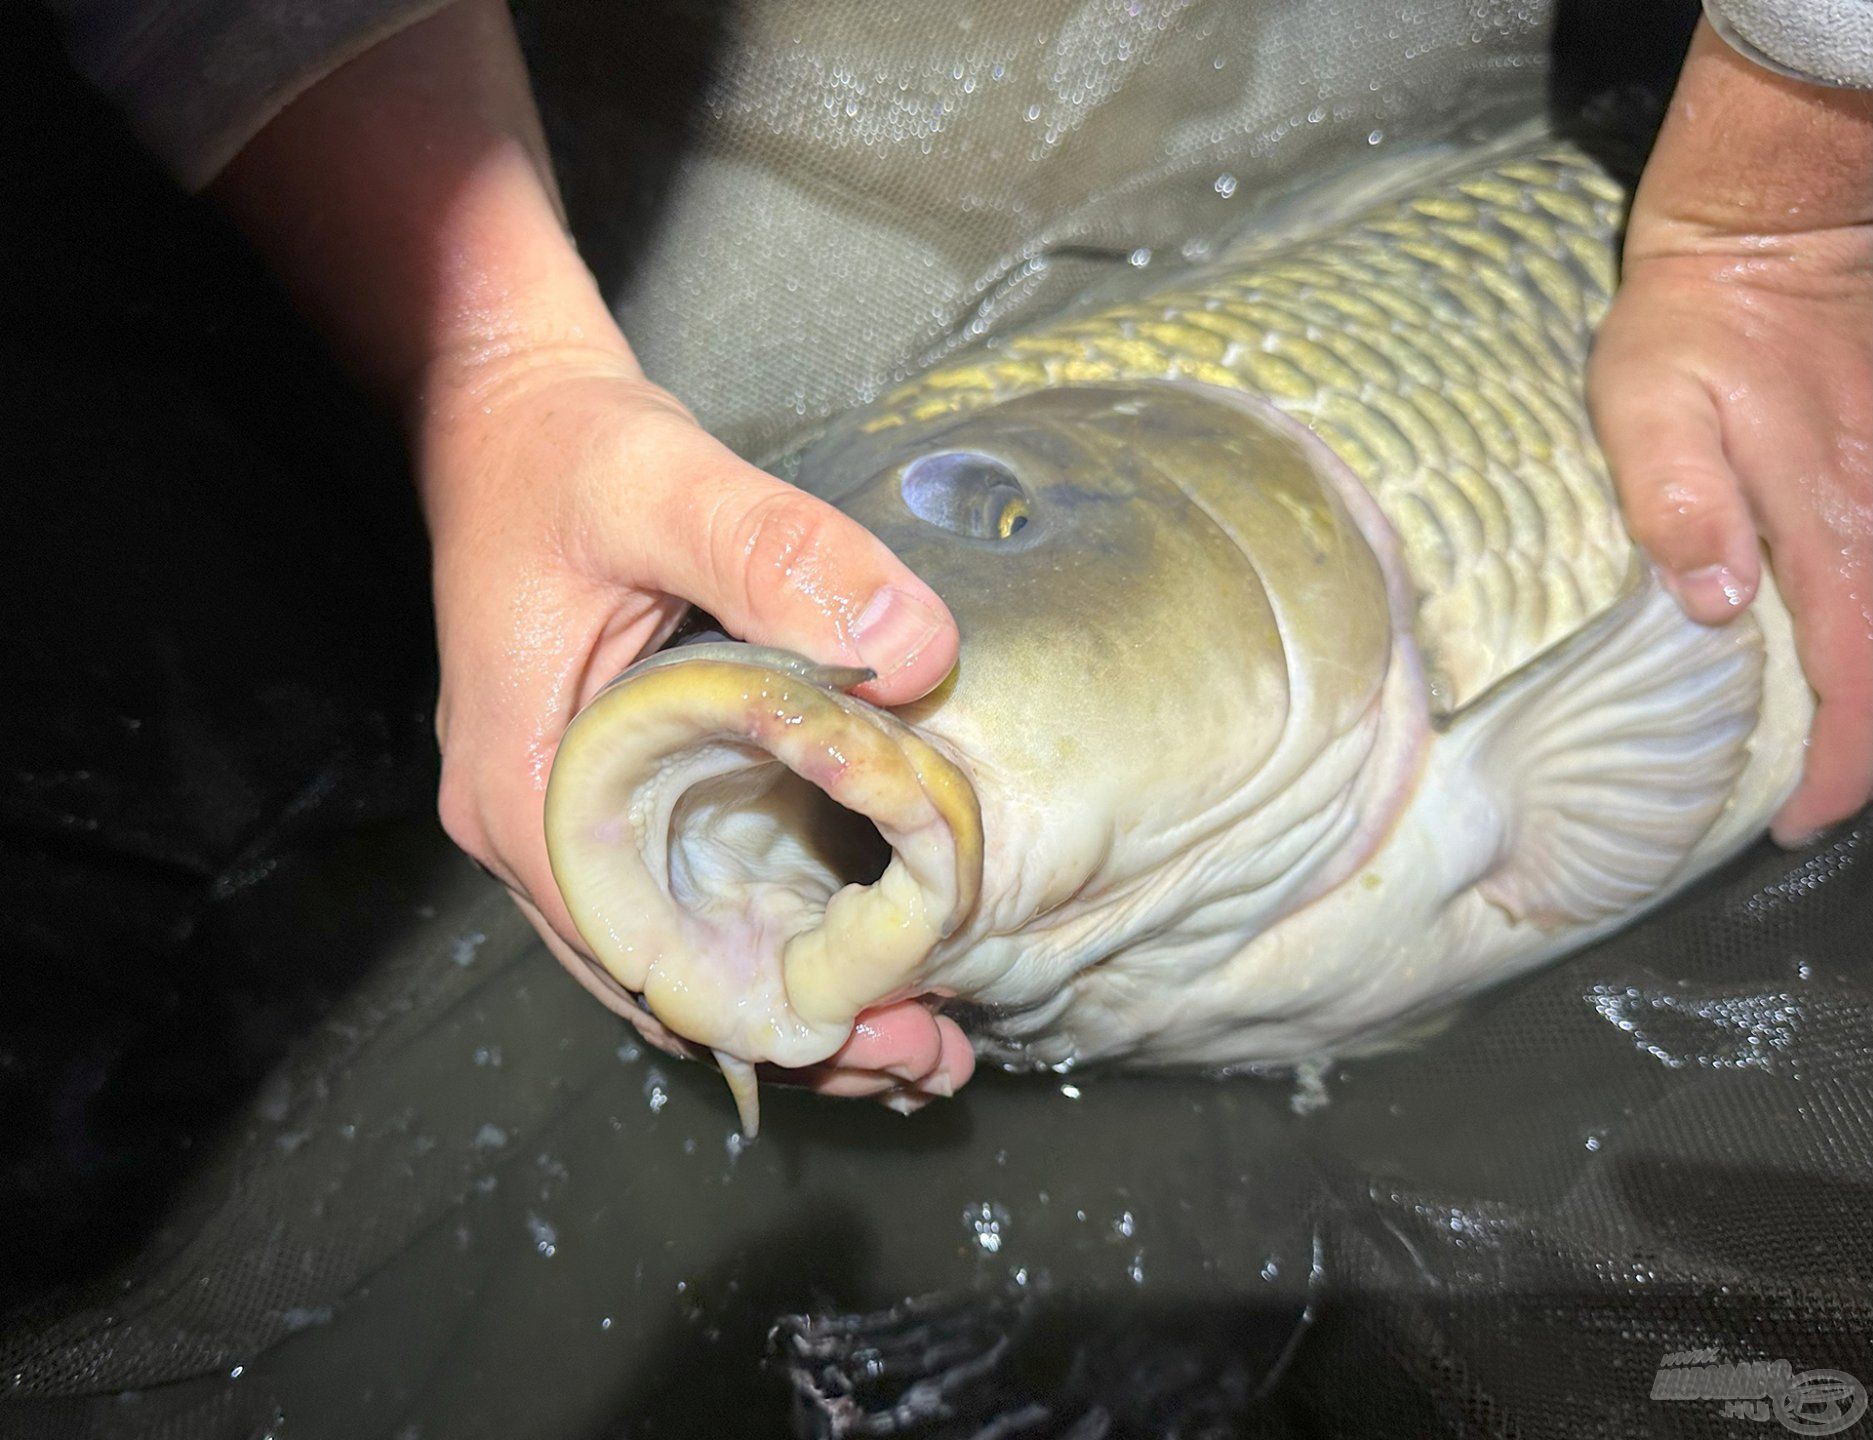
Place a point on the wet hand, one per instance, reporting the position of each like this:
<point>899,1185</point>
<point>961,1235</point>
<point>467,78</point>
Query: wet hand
<point>1732,383</point>
<point>575,510</point>
<point>407,201</point>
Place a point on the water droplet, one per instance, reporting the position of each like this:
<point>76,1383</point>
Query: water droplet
<point>1139,258</point>
<point>1375,137</point>
<point>987,1221</point>
<point>1225,185</point>
<point>545,1237</point>
<point>237,1372</point>
<point>1126,1224</point>
<point>490,1137</point>
<point>464,950</point>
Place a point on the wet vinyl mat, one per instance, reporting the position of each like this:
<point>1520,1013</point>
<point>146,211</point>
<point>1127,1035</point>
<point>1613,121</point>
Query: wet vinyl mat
<point>308,1138</point>
<point>473,1206</point>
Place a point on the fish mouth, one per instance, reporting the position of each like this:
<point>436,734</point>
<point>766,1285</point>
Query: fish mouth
<point>757,854</point>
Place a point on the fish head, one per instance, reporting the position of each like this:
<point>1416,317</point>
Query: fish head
<point>1169,610</point>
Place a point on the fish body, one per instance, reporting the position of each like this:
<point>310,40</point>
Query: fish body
<point>1308,678</point>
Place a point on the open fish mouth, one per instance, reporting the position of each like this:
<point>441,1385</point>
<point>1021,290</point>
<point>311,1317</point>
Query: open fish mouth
<point>757,854</point>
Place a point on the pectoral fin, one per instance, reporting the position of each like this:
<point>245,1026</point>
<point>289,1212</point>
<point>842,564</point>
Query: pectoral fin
<point>1607,759</point>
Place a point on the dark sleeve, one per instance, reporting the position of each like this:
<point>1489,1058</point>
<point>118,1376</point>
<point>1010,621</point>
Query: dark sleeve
<point>199,78</point>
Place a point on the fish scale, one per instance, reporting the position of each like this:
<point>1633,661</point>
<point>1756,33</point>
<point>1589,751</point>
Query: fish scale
<point>1438,345</point>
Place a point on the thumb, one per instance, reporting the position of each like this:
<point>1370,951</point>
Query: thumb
<point>1683,503</point>
<point>777,566</point>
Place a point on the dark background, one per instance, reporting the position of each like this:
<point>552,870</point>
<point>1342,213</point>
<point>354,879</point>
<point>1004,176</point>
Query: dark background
<point>216,654</point>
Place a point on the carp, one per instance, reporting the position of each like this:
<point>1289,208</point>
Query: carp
<point>1308,678</point>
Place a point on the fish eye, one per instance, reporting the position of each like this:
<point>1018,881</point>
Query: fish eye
<point>967,494</point>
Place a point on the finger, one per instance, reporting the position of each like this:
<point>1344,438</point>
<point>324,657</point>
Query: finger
<point>828,1079</point>
<point>851,1084</point>
<point>957,1062</point>
<point>1827,587</point>
<point>901,1039</point>
<point>1664,445</point>
<point>780,567</point>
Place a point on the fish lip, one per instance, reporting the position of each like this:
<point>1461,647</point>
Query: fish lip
<point>612,797</point>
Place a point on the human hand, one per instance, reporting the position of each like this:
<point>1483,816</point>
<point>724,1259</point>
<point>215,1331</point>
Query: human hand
<point>574,508</point>
<point>1732,383</point>
<point>407,201</point>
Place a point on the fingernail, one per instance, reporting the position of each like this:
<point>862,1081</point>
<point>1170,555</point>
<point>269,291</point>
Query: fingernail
<point>1710,592</point>
<point>1793,839</point>
<point>940,1084</point>
<point>893,629</point>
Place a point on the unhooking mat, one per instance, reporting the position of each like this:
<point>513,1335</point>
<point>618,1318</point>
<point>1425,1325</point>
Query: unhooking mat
<point>306,1137</point>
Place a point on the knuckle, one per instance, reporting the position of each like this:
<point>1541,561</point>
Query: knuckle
<point>1654,525</point>
<point>782,536</point>
<point>656,431</point>
<point>660,408</point>
<point>1683,514</point>
<point>1680,489</point>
